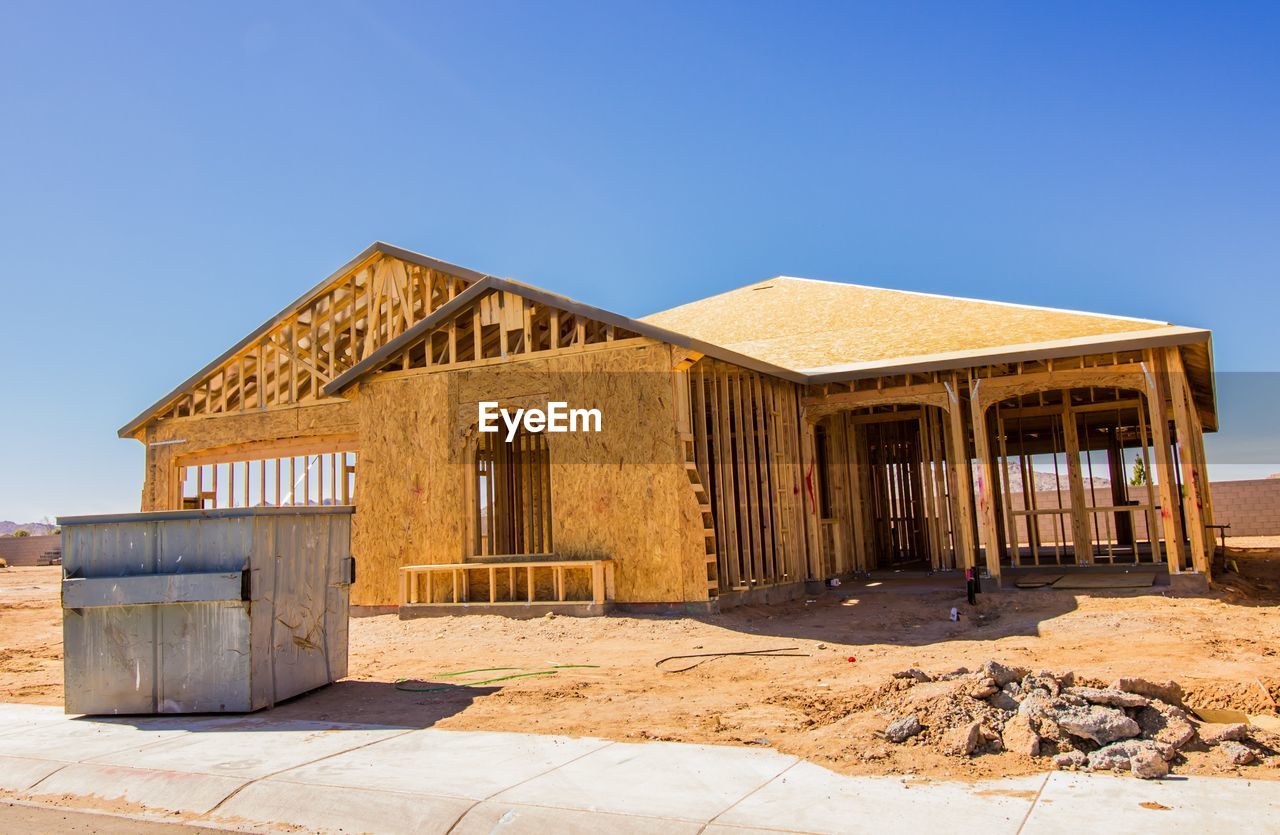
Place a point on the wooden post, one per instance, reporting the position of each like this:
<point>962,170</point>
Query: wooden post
<point>1081,540</point>
<point>857,524</point>
<point>1193,476</point>
<point>811,504</point>
<point>962,480</point>
<point>1170,518</point>
<point>597,582</point>
<point>985,501</point>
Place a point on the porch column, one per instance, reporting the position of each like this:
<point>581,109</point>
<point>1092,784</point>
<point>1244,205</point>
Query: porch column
<point>1081,538</point>
<point>986,501</point>
<point>961,478</point>
<point>1193,475</point>
<point>1157,407</point>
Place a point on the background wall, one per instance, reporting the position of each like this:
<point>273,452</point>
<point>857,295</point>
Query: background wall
<point>1252,508</point>
<point>28,550</point>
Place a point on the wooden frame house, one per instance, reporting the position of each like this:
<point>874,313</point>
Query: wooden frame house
<point>788,431</point>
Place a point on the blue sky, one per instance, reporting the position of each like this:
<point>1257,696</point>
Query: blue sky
<point>174,173</point>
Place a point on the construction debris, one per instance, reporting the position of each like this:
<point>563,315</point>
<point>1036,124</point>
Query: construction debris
<point>1134,725</point>
<point>900,730</point>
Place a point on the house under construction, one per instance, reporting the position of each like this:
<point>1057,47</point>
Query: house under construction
<point>790,430</point>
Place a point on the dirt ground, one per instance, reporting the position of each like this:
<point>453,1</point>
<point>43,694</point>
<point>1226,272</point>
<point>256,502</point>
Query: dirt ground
<point>1224,647</point>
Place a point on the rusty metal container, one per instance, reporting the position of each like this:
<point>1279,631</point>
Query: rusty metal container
<point>203,611</point>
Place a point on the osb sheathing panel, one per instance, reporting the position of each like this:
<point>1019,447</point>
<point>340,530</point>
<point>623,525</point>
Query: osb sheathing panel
<point>184,436</point>
<point>804,325</point>
<point>621,494</point>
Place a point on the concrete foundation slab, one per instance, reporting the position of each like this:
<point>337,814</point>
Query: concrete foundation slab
<point>447,763</point>
<point>666,779</point>
<point>809,798</point>
<point>168,791</point>
<point>286,804</point>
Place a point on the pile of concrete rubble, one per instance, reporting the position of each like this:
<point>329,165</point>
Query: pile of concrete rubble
<point>1133,725</point>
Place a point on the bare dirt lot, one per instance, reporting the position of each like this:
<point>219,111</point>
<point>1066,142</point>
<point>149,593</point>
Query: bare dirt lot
<point>831,705</point>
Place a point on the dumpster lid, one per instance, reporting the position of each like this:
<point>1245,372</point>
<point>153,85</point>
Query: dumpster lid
<point>208,513</point>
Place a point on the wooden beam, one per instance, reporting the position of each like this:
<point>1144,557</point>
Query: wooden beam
<point>1081,538</point>
<point>1193,475</point>
<point>1161,443</point>
<point>985,499</point>
<point>957,440</point>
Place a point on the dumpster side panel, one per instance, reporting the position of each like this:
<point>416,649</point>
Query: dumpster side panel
<point>220,544</point>
<point>301,585</point>
<point>339,595</point>
<point>262,587</point>
<point>110,662</point>
<point>203,655</point>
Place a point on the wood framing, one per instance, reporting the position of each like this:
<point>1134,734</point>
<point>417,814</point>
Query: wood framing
<point>790,431</point>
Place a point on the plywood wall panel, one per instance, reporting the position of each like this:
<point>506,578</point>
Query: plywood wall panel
<point>621,494</point>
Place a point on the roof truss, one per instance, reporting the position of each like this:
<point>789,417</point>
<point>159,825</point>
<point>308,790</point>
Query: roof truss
<point>489,324</point>
<point>345,319</point>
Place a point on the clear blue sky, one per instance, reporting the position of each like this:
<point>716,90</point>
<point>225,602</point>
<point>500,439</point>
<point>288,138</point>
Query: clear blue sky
<point>174,173</point>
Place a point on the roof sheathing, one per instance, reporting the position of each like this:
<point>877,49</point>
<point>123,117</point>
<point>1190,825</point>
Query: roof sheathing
<point>821,327</point>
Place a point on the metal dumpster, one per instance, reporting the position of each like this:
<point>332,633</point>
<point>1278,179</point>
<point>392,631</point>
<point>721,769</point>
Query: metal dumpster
<point>203,611</point>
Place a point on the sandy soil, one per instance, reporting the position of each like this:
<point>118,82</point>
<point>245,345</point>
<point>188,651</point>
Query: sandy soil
<point>1223,647</point>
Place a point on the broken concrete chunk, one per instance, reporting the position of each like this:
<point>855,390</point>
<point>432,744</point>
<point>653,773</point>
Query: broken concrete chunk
<point>1215,734</point>
<point>1002,674</point>
<point>1035,704</point>
<point>962,741</point>
<point>1070,760</point>
<point>903,728</point>
<point>1236,753</point>
<point>1166,724</point>
<point>1165,691</point>
<point>1003,701</point>
<point>1020,738</point>
<point>1044,682</point>
<point>1117,756</point>
<point>1101,724</point>
<point>984,688</point>
<point>1149,765</point>
<point>914,673</point>
<point>1108,696</point>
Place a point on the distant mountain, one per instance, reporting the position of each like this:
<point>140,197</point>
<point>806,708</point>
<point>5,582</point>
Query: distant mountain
<point>8,528</point>
<point>1044,482</point>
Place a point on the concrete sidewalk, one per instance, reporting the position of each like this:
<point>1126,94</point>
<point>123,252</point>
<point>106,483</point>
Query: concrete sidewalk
<point>256,773</point>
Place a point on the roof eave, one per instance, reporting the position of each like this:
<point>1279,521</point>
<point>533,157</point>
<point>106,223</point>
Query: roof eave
<point>1056,349</point>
